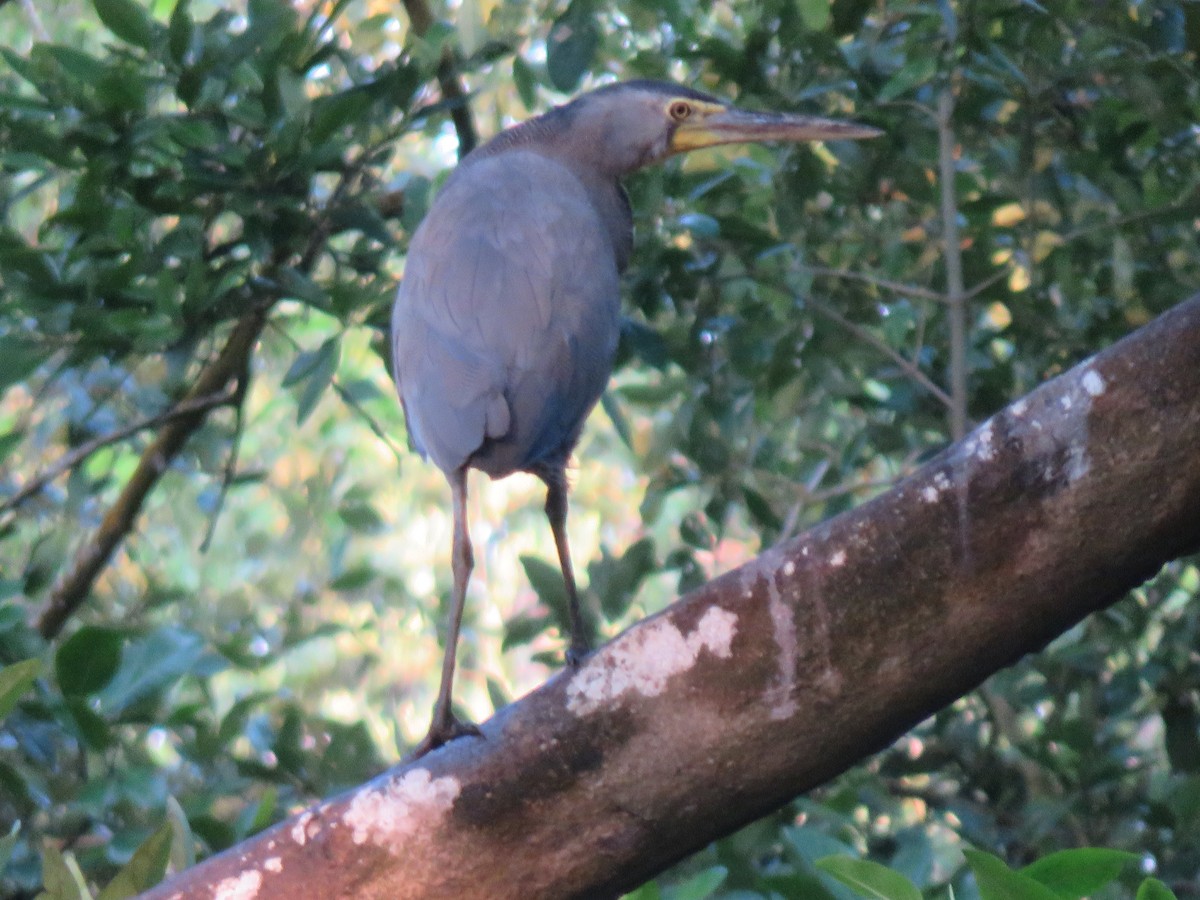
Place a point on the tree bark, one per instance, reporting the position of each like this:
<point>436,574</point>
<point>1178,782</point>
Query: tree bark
<point>775,677</point>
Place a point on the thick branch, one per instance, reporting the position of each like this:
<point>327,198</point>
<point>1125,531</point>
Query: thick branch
<point>772,679</point>
<point>73,586</point>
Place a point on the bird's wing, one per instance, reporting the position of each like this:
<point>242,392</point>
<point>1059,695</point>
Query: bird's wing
<point>507,318</point>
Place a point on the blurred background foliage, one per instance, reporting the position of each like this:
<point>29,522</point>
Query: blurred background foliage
<point>266,633</point>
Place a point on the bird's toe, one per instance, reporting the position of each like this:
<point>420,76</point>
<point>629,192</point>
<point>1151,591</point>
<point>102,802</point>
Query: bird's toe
<point>443,731</point>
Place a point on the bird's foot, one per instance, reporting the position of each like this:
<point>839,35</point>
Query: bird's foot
<point>577,652</point>
<point>443,730</point>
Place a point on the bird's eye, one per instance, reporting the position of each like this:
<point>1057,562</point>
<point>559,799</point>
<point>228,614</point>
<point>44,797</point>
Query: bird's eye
<point>679,110</point>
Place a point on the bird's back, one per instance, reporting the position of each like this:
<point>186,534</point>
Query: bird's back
<point>506,322</point>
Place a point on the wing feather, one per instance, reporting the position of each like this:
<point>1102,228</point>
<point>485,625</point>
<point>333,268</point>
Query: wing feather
<point>506,322</point>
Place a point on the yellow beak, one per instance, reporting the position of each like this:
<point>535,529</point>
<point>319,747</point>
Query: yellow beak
<point>736,126</point>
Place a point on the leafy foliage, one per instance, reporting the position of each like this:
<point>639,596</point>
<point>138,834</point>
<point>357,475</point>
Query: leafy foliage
<point>165,173</point>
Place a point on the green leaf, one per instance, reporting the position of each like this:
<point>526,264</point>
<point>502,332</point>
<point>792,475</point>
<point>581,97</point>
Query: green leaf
<point>320,376</point>
<point>87,661</point>
<point>183,843</point>
<point>61,878</point>
<point>18,357</point>
<point>151,665</point>
<point>91,728</point>
<point>15,680</point>
<point>699,886</point>
<point>870,879</point>
<point>814,13</point>
<point>610,405</point>
<point>570,46</point>
<point>8,843</point>
<point>997,881</point>
<point>354,578</point>
<point>520,630</point>
<point>145,868</point>
<point>547,583</point>
<point>361,516</point>
<point>128,20</point>
<point>180,31</point>
<point>337,111</point>
<point>914,73</point>
<point>1153,889</point>
<point>1079,872</point>
<point>525,83</point>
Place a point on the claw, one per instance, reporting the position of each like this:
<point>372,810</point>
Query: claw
<point>577,652</point>
<point>443,730</point>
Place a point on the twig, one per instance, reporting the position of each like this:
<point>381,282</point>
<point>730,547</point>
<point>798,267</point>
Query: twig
<point>909,368</point>
<point>952,248</point>
<point>1121,221</point>
<point>447,74</point>
<point>895,287</point>
<point>73,458</point>
<point>374,425</point>
<point>239,393</point>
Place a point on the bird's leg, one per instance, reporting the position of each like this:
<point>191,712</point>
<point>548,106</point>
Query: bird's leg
<point>445,726</point>
<point>556,512</point>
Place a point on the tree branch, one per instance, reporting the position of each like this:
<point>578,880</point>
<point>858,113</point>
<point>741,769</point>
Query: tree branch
<point>952,249</point>
<point>453,91</point>
<point>775,677</point>
<point>73,587</point>
<point>73,458</point>
<point>912,370</point>
<point>231,364</point>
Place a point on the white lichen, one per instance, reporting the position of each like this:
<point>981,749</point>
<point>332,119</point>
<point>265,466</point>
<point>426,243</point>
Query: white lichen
<point>980,443</point>
<point>929,494</point>
<point>239,887</point>
<point>789,569</point>
<point>390,816</point>
<point>838,559</point>
<point>300,829</point>
<point>1093,383</point>
<point>273,864</point>
<point>645,658</point>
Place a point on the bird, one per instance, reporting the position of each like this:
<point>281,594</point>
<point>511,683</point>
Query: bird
<point>505,324</point>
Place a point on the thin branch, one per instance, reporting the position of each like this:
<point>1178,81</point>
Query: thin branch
<point>909,290</point>
<point>952,248</point>
<point>453,91</point>
<point>896,287</point>
<point>239,393</point>
<point>1177,206</point>
<point>73,458</point>
<point>973,292</point>
<point>376,429</point>
<point>909,368</point>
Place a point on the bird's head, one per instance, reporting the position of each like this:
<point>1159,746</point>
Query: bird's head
<point>622,127</point>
